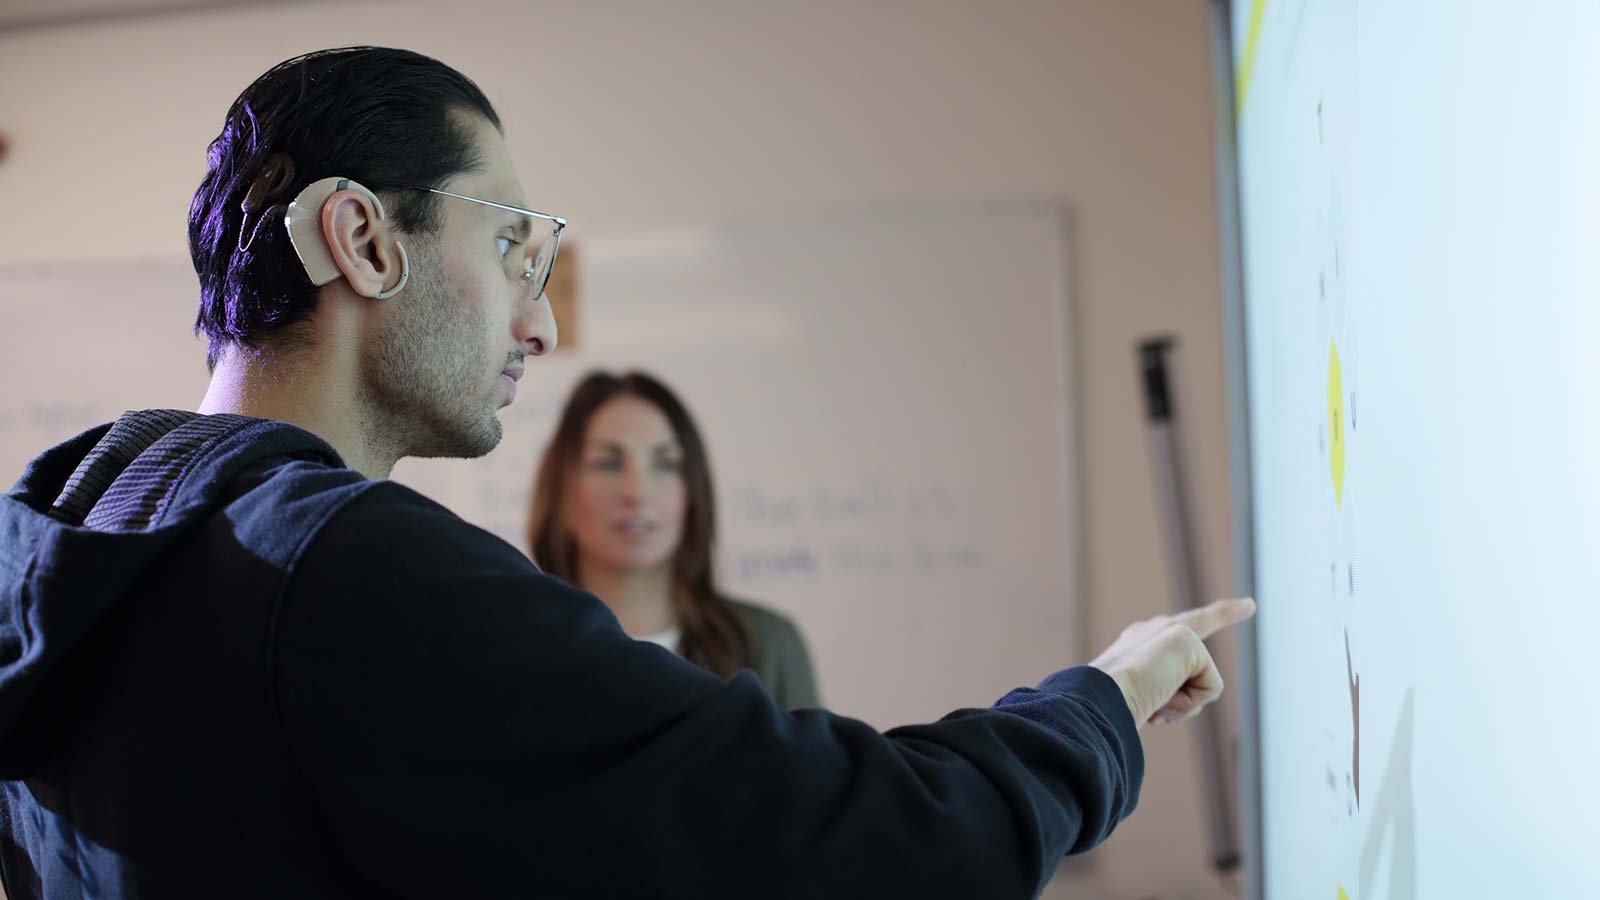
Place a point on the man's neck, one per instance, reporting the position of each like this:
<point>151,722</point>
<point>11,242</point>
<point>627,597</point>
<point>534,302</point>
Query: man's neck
<point>641,601</point>
<point>302,391</point>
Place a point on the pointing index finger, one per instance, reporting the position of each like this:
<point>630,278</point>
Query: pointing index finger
<point>1217,615</point>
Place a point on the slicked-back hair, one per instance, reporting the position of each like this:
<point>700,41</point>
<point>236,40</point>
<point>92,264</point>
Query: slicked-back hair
<point>389,119</point>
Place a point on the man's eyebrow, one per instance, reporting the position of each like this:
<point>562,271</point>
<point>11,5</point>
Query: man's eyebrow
<point>523,226</point>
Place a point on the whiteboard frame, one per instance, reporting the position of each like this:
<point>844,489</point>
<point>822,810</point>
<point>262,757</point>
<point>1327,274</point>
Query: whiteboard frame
<point>1230,239</point>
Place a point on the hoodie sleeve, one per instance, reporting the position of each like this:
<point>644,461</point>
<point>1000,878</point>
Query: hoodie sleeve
<point>473,728</point>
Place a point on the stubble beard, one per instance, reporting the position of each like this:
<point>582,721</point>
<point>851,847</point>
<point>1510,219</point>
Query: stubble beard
<point>423,377</point>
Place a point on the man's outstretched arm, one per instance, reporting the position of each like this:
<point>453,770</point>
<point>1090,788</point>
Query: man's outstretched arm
<point>473,728</point>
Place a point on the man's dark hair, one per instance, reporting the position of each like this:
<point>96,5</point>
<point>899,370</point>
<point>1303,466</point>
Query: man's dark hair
<point>385,118</point>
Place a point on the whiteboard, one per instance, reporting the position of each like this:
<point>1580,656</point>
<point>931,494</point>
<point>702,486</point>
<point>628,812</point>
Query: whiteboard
<point>1420,212</point>
<point>887,399</point>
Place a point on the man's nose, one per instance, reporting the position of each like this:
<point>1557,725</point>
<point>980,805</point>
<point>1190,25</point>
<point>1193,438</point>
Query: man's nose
<point>535,326</point>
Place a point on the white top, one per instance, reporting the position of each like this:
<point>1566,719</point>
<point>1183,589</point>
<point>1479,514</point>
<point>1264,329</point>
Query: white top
<point>668,638</point>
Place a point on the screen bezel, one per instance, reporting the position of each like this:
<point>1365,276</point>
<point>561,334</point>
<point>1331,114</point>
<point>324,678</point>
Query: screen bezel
<point>1230,237</point>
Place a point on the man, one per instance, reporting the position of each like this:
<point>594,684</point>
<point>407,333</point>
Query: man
<point>236,661</point>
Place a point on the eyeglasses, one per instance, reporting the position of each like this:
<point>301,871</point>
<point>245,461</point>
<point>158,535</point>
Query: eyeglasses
<point>536,271</point>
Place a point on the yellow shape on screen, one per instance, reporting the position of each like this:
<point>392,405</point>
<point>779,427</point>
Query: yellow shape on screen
<point>1336,423</point>
<point>1247,65</point>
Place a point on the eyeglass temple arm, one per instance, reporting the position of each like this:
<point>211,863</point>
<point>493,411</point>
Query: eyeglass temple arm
<point>560,222</point>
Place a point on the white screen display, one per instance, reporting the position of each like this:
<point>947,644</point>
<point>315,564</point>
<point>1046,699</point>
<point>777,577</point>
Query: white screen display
<point>1420,210</point>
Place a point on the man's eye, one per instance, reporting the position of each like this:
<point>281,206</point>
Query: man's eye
<point>506,244</point>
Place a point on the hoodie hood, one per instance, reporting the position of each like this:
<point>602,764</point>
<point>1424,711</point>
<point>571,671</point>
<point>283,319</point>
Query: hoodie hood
<point>83,524</point>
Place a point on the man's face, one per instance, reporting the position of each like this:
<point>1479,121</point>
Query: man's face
<point>449,348</point>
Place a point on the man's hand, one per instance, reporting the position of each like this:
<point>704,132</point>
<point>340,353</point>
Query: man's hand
<point>1162,664</point>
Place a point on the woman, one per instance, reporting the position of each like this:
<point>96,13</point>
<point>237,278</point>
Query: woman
<point>623,508</point>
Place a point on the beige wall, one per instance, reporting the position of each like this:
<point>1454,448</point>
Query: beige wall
<point>687,111</point>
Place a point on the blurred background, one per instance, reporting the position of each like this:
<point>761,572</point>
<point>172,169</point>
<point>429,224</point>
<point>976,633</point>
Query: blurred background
<point>1028,167</point>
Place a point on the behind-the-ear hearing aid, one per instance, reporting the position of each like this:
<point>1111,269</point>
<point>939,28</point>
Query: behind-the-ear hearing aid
<point>304,221</point>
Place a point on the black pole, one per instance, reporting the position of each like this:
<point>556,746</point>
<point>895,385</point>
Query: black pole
<point>1166,459</point>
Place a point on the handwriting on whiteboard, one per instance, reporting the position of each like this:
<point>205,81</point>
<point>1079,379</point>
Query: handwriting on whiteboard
<point>871,527</point>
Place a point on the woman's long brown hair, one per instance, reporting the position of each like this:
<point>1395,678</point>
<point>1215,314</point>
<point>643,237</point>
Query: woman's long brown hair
<point>713,636</point>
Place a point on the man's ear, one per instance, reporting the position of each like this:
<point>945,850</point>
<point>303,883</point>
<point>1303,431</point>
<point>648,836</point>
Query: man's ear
<point>362,245</point>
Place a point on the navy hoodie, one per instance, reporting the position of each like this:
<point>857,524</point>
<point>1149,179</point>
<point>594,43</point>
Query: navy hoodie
<point>232,667</point>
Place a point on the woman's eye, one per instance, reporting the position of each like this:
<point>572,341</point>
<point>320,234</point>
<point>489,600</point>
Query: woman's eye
<point>505,245</point>
<point>668,465</point>
<point>605,465</point>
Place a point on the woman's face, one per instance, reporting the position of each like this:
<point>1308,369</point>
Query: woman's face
<point>626,507</point>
